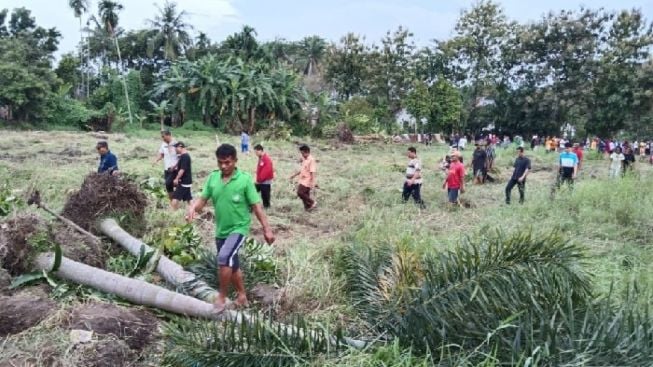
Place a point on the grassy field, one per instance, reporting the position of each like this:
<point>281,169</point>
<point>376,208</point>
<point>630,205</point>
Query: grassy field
<point>359,200</point>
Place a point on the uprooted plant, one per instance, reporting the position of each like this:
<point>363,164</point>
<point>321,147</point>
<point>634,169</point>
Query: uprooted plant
<point>528,291</point>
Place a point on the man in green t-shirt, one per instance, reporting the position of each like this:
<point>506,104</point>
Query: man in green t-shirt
<point>234,197</point>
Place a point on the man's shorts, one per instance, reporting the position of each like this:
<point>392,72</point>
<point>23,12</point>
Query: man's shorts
<point>452,194</point>
<point>228,250</point>
<point>244,148</point>
<point>169,177</point>
<point>182,193</point>
<point>479,172</point>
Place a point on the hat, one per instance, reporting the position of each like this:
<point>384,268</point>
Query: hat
<point>179,144</point>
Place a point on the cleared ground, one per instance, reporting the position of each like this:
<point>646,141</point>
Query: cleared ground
<point>359,200</point>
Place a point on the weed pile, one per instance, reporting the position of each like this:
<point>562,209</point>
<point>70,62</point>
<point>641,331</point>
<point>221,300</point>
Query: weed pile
<point>103,195</point>
<point>16,250</point>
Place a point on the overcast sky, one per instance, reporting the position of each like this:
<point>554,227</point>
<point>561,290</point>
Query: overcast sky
<point>294,19</point>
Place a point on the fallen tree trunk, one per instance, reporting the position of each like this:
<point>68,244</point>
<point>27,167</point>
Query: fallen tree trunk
<point>175,274</point>
<point>172,272</point>
<point>133,290</point>
<point>143,293</point>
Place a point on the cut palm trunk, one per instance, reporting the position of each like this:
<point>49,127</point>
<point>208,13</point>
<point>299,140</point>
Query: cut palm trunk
<point>133,290</point>
<point>143,293</point>
<point>175,274</point>
<point>172,272</point>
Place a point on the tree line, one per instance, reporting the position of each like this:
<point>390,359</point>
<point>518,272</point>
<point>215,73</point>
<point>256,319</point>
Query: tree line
<point>587,70</point>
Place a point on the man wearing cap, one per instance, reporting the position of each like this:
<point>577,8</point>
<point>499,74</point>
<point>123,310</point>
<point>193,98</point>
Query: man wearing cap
<point>168,153</point>
<point>183,181</point>
<point>522,167</point>
<point>108,161</point>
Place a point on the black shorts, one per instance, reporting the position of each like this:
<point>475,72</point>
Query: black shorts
<point>182,194</point>
<point>169,177</point>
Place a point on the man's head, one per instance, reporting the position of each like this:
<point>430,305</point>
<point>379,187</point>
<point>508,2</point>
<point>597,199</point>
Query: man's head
<point>617,150</point>
<point>180,147</point>
<point>258,150</point>
<point>227,158</point>
<point>102,147</point>
<point>455,156</point>
<point>412,152</point>
<point>568,146</point>
<point>166,136</point>
<point>478,145</point>
<point>520,151</point>
<point>305,151</point>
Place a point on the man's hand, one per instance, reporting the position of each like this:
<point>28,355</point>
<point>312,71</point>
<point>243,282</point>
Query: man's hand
<point>520,180</point>
<point>190,215</point>
<point>409,182</point>
<point>462,190</point>
<point>268,235</point>
<point>175,182</point>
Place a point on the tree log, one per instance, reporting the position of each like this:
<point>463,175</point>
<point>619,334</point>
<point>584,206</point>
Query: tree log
<point>172,272</point>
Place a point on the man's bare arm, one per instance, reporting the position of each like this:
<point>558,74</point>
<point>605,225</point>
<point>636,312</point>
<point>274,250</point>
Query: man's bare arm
<point>263,219</point>
<point>195,207</point>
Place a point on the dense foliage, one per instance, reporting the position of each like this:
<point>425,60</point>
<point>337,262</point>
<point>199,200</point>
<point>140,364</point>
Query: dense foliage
<point>588,69</point>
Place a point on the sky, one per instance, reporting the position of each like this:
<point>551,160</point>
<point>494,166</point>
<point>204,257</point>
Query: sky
<point>295,19</point>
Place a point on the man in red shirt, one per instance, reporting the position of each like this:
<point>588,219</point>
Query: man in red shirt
<point>579,153</point>
<point>264,175</point>
<point>455,181</point>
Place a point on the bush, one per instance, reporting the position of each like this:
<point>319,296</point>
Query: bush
<point>70,112</point>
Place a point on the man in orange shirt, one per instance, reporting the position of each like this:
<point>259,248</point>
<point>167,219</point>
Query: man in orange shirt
<point>306,180</point>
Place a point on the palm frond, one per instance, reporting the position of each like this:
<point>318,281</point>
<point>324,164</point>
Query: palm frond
<point>460,296</point>
<point>260,342</point>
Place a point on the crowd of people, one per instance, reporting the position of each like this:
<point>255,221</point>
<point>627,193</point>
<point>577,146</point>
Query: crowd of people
<point>235,194</point>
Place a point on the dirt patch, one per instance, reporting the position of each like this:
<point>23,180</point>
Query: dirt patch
<point>139,153</point>
<point>136,327</point>
<point>71,152</point>
<point>15,248</point>
<point>76,246</point>
<point>268,295</point>
<point>22,311</point>
<point>103,195</point>
<point>5,281</point>
<point>104,353</point>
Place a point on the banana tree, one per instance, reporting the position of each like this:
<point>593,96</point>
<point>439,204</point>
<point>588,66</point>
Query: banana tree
<point>160,109</point>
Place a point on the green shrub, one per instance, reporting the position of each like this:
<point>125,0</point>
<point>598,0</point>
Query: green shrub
<point>65,111</point>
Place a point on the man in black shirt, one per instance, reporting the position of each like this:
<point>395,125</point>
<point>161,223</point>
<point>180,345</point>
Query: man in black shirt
<point>628,162</point>
<point>522,167</point>
<point>183,181</point>
<point>479,164</point>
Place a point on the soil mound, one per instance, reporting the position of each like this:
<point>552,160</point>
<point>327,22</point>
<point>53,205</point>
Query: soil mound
<point>136,327</point>
<point>102,195</point>
<point>76,246</point>
<point>104,353</point>
<point>22,311</point>
<point>15,248</point>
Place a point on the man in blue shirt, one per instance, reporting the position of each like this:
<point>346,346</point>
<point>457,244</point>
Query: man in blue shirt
<point>244,142</point>
<point>568,166</point>
<point>108,161</point>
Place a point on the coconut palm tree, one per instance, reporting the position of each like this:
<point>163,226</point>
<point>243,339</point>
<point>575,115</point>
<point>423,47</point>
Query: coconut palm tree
<point>312,50</point>
<point>80,7</point>
<point>172,32</point>
<point>108,11</point>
